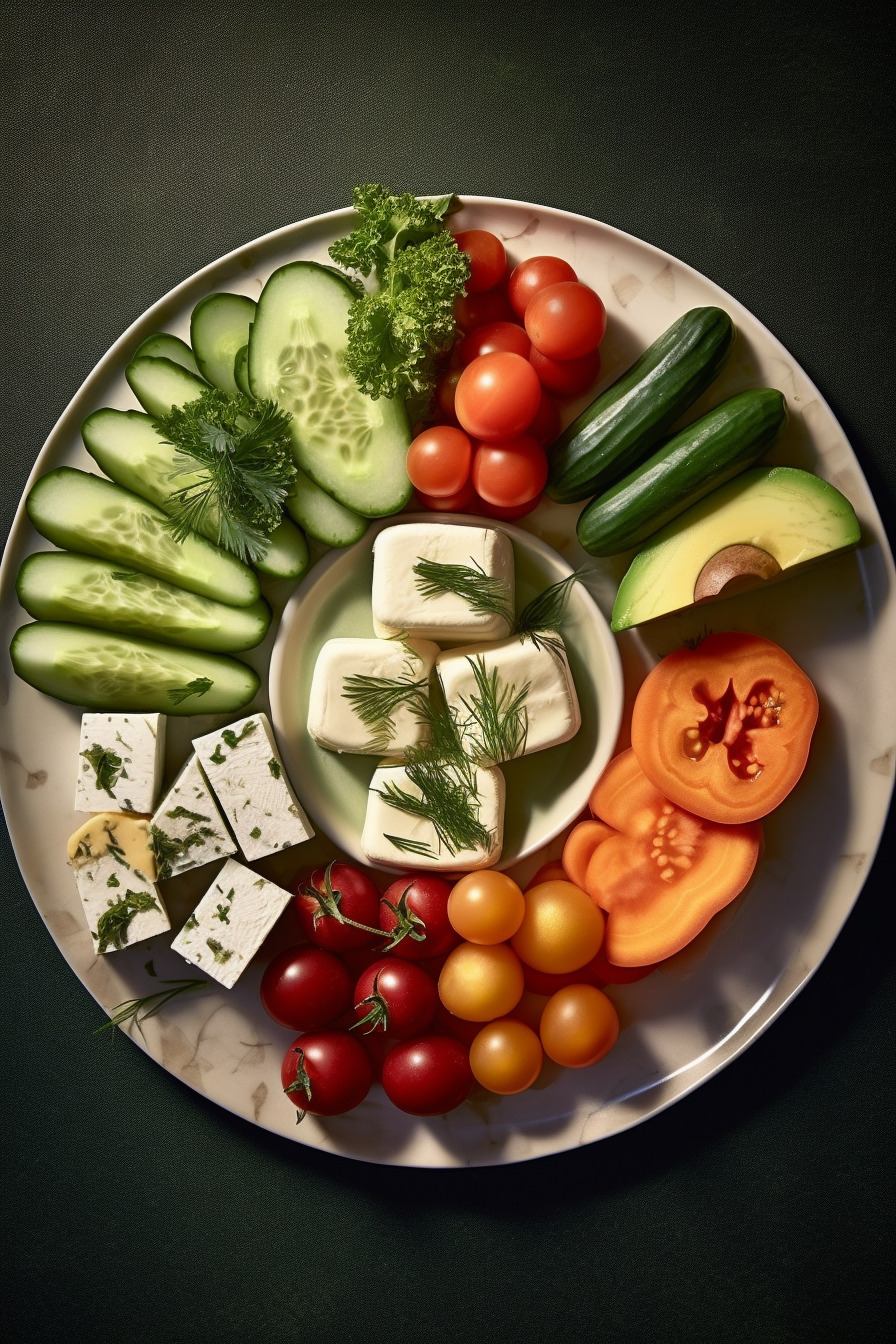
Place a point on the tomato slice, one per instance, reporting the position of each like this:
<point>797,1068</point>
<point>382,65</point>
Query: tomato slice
<point>724,729</point>
<point>662,873</point>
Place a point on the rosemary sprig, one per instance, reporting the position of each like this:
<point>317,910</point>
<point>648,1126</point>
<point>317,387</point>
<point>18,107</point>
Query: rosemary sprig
<point>498,721</point>
<point>239,447</point>
<point>483,592</point>
<point>113,924</point>
<point>376,699</point>
<point>138,1010</point>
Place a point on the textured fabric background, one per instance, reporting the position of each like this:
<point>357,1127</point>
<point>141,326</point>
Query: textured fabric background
<point>142,141</point>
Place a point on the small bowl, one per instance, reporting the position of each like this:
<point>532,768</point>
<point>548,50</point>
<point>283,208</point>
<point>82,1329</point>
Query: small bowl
<point>546,791</point>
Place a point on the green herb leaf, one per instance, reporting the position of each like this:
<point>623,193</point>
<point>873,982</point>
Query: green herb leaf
<point>376,699</point>
<point>483,593</point>
<point>541,619</point>
<point>199,686</point>
<point>107,766</point>
<point>113,924</point>
<point>498,721</point>
<point>138,1010</point>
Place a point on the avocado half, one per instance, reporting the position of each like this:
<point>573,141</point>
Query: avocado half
<point>752,530</point>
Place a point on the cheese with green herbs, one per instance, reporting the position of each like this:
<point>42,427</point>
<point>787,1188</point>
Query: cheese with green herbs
<point>231,922</point>
<point>420,830</point>
<point>120,762</point>
<point>114,867</point>
<point>365,694</point>
<point>187,827</point>
<point>245,771</point>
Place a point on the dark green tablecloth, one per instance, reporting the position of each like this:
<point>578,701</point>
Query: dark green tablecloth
<point>753,142</point>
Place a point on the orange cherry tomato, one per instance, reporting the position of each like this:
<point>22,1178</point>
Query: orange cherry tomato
<point>562,928</point>
<point>724,729</point>
<point>665,872</point>
<point>486,907</point>
<point>480,983</point>
<point>579,1026</point>
<point>506,1056</point>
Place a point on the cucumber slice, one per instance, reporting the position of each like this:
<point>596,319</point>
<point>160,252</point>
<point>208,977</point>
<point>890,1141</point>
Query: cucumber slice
<point>241,370</point>
<point>128,447</point>
<point>159,383</point>
<point>352,446</point>
<point>81,512</point>
<point>322,516</point>
<point>100,670</point>
<point>63,586</point>
<point>161,344</point>
<point>219,327</point>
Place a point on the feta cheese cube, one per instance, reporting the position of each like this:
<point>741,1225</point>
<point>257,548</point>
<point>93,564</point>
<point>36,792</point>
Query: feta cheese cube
<point>547,715</point>
<point>231,922</point>
<point>244,768</point>
<point>419,843</point>
<point>333,719</point>
<point>187,828</point>
<point>399,607</point>
<point>112,858</point>
<point>120,762</point>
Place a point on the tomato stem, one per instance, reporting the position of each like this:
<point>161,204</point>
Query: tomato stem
<point>328,904</point>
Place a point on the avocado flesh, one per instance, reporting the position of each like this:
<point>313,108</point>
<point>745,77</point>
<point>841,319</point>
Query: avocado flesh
<point>788,516</point>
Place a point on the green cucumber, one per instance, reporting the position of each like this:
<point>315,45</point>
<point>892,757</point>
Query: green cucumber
<point>630,417</point>
<point>241,369</point>
<point>159,383</point>
<point>219,328</point>
<point>352,446</point>
<point>704,455</point>
<point>322,516</point>
<point>100,670</point>
<point>88,514</point>
<point>164,345</point>
<point>129,448</point>
<point>63,586</point>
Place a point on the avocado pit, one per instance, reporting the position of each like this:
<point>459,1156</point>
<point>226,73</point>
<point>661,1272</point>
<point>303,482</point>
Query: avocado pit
<point>735,569</point>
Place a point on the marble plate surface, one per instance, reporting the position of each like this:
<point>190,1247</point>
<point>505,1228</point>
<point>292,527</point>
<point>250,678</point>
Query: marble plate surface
<point>681,1024</point>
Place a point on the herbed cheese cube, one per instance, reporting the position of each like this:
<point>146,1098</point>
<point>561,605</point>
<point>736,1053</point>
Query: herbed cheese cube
<point>511,698</point>
<point>397,838</point>
<point>333,718</point>
<point>244,768</point>
<point>115,871</point>
<point>187,827</point>
<point>231,922</point>
<point>399,607</point>
<point>120,762</point>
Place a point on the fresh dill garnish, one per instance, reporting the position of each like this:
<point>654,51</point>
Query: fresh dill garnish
<point>239,447</point>
<point>540,620</point>
<point>198,686</point>
<point>138,1010</point>
<point>107,766</point>
<point>408,846</point>
<point>498,722</point>
<point>113,924</point>
<point>482,592</point>
<point>376,699</point>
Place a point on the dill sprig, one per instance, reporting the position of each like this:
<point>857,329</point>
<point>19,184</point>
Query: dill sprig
<point>138,1010</point>
<point>541,619</point>
<point>376,699</point>
<point>482,592</point>
<point>239,447</point>
<point>498,722</point>
<point>113,924</point>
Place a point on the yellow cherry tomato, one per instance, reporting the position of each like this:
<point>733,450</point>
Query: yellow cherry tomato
<point>579,1026</point>
<point>506,1056</point>
<point>479,983</point>
<point>562,928</point>
<point>486,907</point>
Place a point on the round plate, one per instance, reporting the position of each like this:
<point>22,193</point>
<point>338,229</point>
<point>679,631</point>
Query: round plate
<point>684,1022</point>
<point>545,791</point>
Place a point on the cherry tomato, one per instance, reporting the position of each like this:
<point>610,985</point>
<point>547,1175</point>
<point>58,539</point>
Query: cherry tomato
<point>397,996</point>
<point>518,511</point>
<point>533,274</point>
<point>497,396</point>
<point>414,911</point>
<point>438,461</point>
<point>306,988</point>
<point>493,336</point>
<point>566,320</point>
<point>486,907</point>
<point>579,1026</point>
<point>562,928</point>
<point>339,907</point>
<point>326,1072</point>
<point>506,1056</point>
<point>551,871</point>
<point>472,310</point>
<point>547,423</point>
<point>566,377</point>
<point>488,260</point>
<point>547,982</point>
<point>465,499</point>
<point>449,1025</point>
<point>510,473</point>
<point>429,1075</point>
<point>480,983</point>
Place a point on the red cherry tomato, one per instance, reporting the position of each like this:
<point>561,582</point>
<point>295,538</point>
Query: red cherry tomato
<point>493,336</point>
<point>306,988</point>
<point>548,422</point>
<point>533,274</point>
<point>428,1076</point>
<point>414,911</point>
<point>395,996</point>
<point>438,460</point>
<point>488,260</point>
<point>497,396</point>
<point>511,473</point>
<point>326,1073</point>
<point>566,377</point>
<point>566,321</point>
<point>465,500</point>
<point>334,902</point>
<point>472,310</point>
<point>444,397</point>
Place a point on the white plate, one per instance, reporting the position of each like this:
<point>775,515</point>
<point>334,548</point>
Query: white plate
<point>681,1025</point>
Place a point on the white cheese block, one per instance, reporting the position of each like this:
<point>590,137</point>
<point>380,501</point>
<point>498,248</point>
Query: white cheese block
<point>548,715</point>
<point>231,922</point>
<point>399,608</point>
<point>426,849</point>
<point>333,720</point>
<point>187,827</point>
<point>244,768</point>
<point>120,762</point>
<point>115,871</point>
